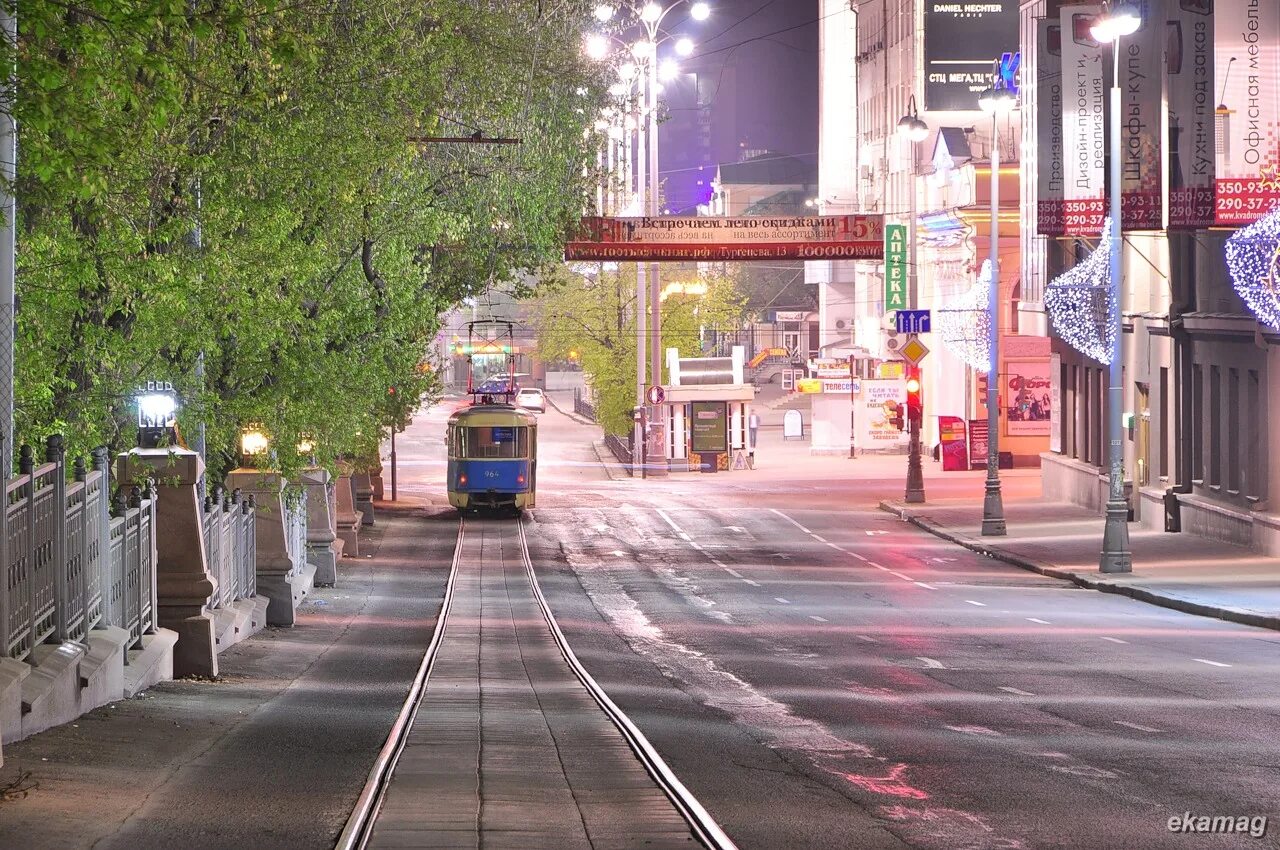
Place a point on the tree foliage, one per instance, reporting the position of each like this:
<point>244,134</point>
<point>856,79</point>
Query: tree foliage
<point>591,319</point>
<point>231,195</point>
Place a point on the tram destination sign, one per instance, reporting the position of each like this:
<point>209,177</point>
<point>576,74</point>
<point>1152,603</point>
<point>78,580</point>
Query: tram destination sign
<point>730,238</point>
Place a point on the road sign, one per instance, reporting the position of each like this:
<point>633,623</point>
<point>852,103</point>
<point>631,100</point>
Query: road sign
<point>912,321</point>
<point>656,394</point>
<point>913,351</point>
<point>895,266</point>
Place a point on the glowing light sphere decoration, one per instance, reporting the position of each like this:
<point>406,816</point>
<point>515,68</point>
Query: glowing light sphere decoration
<point>965,325</point>
<point>1253,258</point>
<point>1080,304</point>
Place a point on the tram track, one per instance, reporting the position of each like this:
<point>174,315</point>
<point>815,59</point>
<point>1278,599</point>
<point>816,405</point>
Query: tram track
<point>361,825</point>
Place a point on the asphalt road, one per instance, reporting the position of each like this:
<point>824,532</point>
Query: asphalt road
<point>836,678</point>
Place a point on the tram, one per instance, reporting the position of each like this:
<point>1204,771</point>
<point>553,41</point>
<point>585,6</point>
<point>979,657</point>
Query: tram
<point>493,445</point>
<point>493,458</point>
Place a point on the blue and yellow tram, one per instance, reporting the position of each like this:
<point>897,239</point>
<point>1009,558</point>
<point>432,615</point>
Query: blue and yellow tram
<point>493,457</point>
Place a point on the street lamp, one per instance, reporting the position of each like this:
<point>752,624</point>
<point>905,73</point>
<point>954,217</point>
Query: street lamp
<point>157,415</point>
<point>995,101</point>
<point>1117,20</point>
<point>254,445</point>
<point>911,127</point>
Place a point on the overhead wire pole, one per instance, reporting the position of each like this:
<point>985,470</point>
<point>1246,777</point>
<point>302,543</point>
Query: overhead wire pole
<point>638,446</point>
<point>8,259</point>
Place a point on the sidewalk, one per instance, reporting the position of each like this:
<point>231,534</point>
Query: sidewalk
<point>1179,571</point>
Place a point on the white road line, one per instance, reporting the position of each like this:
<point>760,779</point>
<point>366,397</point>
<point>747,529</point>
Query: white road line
<point>783,601</point>
<point>668,520</point>
<point>619,554</point>
<point>878,567</point>
<point>1017,691</point>
<point>859,557</point>
<point>695,544</point>
<point>931,663</point>
<point>866,639</point>
<point>790,520</point>
<point>684,535</point>
<point>731,571</point>
<point>1038,620</point>
<point>818,619</point>
<point>1214,663</point>
<point>1137,726</point>
<point>834,545</point>
<point>926,586</point>
<point>736,528</point>
<point>1114,640</point>
<point>979,604</point>
<point>901,576</point>
<point>752,583</point>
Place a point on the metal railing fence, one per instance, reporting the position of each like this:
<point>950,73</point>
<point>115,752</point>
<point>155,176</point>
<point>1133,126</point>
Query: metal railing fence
<point>230,545</point>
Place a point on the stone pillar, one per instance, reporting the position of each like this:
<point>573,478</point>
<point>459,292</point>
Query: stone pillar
<point>379,493</point>
<point>363,483</point>
<point>184,585</point>
<point>348,518</point>
<point>278,580</point>
<point>322,528</point>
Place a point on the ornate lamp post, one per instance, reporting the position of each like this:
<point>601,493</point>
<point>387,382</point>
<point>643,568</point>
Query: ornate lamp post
<point>915,131</point>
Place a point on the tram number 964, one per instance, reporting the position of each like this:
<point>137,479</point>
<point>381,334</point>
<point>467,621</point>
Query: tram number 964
<point>491,473</point>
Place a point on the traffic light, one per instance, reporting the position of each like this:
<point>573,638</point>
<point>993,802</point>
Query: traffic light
<point>896,417</point>
<point>915,404</point>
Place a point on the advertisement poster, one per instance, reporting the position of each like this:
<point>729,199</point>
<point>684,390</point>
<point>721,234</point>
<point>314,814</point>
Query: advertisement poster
<point>1055,403</point>
<point>710,428</point>
<point>1142,108</point>
<point>960,40</point>
<point>1189,63</point>
<point>874,412</point>
<point>1029,407</point>
<point>1083,130</point>
<point>978,432</point>
<point>1049,153</point>
<point>955,443</point>
<point>1246,43</point>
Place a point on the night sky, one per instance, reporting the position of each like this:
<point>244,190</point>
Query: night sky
<point>755,74</point>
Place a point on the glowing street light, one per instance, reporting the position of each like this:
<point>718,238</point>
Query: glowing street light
<point>597,46</point>
<point>604,12</point>
<point>684,47</point>
<point>651,13</point>
<point>669,70</point>
<point>700,11</point>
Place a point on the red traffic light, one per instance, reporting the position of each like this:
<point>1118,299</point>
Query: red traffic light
<point>913,385</point>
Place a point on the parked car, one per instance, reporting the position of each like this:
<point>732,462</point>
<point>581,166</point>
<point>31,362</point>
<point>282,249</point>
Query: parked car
<point>532,398</point>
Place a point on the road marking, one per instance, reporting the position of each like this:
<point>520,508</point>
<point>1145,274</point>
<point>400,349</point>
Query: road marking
<point>1017,691</point>
<point>669,521</point>
<point>752,583</point>
<point>975,602</point>
<point>976,730</point>
<point>737,528</point>
<point>931,663</point>
<point>783,601</point>
<point>684,535</point>
<point>1038,620</point>
<point>877,566</point>
<point>1214,663</point>
<point>874,533</point>
<point>1114,640</point>
<point>819,538</point>
<point>944,560</point>
<point>790,520</point>
<point>866,639</point>
<point>1137,726</point>
<point>818,619</point>
<point>859,557</point>
<point>926,586</point>
<point>695,544</point>
<point>834,545</point>
<point>900,575</point>
<point>619,554</point>
<point>731,571</point>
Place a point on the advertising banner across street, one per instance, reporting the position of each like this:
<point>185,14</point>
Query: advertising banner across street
<point>1083,125</point>
<point>726,238</point>
<point>1247,60</point>
<point>1189,61</point>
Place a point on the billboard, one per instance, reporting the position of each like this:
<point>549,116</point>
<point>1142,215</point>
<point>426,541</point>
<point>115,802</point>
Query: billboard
<point>1029,400</point>
<point>1142,119</point>
<point>1189,65</point>
<point>960,42</point>
<point>1246,43</point>
<point>1049,152</point>
<point>725,238</point>
<point>710,426</point>
<point>1083,129</point>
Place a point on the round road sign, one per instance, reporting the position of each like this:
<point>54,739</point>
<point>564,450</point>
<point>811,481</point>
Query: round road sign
<point>656,394</point>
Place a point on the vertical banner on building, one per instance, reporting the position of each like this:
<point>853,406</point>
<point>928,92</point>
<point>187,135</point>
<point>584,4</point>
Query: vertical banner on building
<point>1189,62</point>
<point>1049,150</point>
<point>1142,119</point>
<point>895,267</point>
<point>1246,45</point>
<point>1083,130</point>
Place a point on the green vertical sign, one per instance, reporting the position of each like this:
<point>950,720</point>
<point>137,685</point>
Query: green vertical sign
<point>895,267</point>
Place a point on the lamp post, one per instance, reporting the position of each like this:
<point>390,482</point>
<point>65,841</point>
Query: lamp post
<point>915,131</point>
<point>1118,19</point>
<point>648,286</point>
<point>995,101</point>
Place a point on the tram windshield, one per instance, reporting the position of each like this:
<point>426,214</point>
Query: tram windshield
<point>491,441</point>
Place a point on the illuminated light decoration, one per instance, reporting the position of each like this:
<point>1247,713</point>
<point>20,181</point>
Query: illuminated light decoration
<point>965,324</point>
<point>1253,259</point>
<point>1081,306</point>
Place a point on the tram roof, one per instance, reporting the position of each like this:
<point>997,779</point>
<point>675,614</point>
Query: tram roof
<point>493,414</point>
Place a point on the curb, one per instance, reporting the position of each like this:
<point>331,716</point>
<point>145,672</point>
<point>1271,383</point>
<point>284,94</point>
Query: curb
<point>595,447</point>
<point>1141,594</point>
<point>576,417</point>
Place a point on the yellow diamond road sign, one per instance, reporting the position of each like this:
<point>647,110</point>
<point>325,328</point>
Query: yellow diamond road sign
<point>913,350</point>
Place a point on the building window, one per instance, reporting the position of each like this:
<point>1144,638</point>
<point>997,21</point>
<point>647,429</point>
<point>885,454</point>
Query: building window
<point>1197,423</point>
<point>1254,476</point>
<point>1233,431</point>
<point>1215,426</point>
<point>1163,435</point>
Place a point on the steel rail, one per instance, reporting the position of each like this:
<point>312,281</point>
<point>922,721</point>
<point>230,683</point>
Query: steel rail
<point>356,832</point>
<point>700,821</point>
